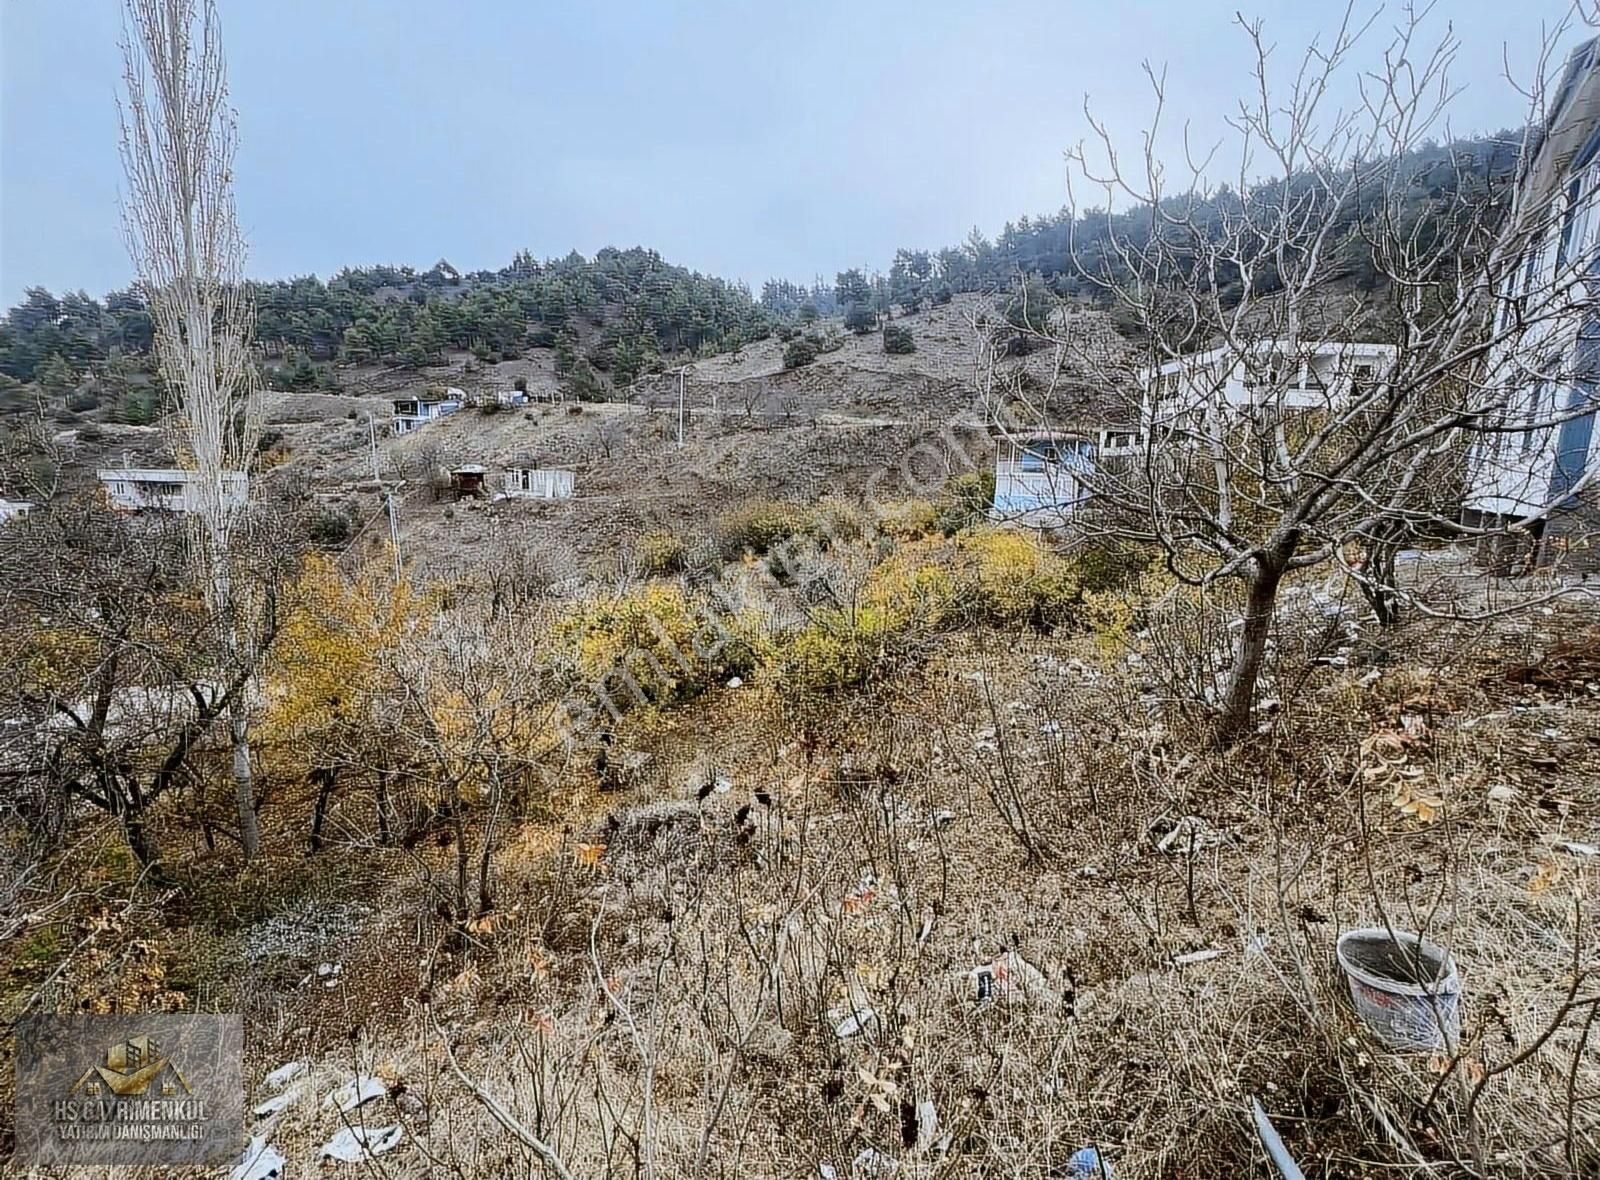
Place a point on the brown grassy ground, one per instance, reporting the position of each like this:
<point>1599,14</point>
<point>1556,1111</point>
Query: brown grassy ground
<point>660,989</point>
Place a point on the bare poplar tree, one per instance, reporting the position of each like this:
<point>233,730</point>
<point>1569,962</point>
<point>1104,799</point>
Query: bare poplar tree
<point>1278,414</point>
<point>178,136</point>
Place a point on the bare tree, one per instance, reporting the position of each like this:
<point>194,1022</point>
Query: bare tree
<point>178,136</point>
<point>1280,415</point>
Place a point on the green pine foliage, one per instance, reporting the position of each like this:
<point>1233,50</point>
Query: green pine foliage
<point>898,340</point>
<point>643,308</point>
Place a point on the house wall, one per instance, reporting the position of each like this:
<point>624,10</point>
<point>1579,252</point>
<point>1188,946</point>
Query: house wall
<point>1031,490</point>
<point>166,491</point>
<point>537,484</point>
<point>410,414</point>
<point>1314,376</point>
<point>1518,473</point>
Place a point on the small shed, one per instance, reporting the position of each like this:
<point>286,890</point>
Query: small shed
<point>470,479</point>
<point>526,478</point>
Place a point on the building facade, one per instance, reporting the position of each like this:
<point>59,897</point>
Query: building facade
<point>411,413</point>
<point>166,489</point>
<point>1040,478</point>
<point>1537,467</point>
<point>1308,375</point>
<point>538,483</point>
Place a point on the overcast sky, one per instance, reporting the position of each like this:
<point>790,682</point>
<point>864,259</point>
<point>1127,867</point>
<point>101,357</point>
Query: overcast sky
<point>748,140</point>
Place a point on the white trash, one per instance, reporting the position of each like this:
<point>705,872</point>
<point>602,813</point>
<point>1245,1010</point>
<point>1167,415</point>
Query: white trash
<point>354,1093</point>
<point>351,1145</point>
<point>261,1161</point>
<point>1404,987</point>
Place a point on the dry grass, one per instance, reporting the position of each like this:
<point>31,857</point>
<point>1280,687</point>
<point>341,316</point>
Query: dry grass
<point>669,1006</point>
<point>660,990</point>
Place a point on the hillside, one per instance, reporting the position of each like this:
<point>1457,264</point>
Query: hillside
<point>769,808</point>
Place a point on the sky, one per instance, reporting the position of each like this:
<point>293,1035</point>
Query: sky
<point>748,140</point>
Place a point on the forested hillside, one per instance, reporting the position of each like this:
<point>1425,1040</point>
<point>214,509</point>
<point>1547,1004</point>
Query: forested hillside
<point>621,313</point>
<point>625,313</point>
<point>1064,253</point>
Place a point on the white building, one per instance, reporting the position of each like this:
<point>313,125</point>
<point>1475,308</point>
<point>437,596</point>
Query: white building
<point>1042,477</point>
<point>166,489</point>
<point>12,509</point>
<point>413,412</point>
<point>1550,372</point>
<point>538,483</point>
<point>1039,477</point>
<point>1314,375</point>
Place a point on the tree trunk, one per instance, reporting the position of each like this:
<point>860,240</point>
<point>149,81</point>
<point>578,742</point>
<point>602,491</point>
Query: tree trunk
<point>244,782</point>
<point>141,842</point>
<point>1260,601</point>
<point>1380,589</point>
<point>325,777</point>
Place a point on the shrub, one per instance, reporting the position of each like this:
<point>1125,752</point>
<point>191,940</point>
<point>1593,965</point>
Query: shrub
<point>329,527</point>
<point>542,336</point>
<point>821,658</point>
<point>835,520</point>
<point>654,646</point>
<point>908,519</point>
<point>964,501</point>
<point>137,408</point>
<point>1009,578</point>
<point>904,603</point>
<point>860,318</point>
<point>898,340</point>
<point>756,526</point>
<point>787,332</point>
<point>912,590</point>
<point>798,353</point>
<point>1106,567</point>
<point>659,553</point>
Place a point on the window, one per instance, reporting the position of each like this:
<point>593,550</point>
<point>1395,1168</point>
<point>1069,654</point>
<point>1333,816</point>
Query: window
<point>1569,218</point>
<point>1536,400</point>
<point>1044,454</point>
<point>1122,440</point>
<point>1035,456</point>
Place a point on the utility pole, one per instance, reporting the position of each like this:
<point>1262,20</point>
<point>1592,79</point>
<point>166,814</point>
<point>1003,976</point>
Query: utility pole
<point>388,497</point>
<point>681,371</point>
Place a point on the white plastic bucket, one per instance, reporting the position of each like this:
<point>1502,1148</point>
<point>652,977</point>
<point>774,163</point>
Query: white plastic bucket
<point>1404,987</point>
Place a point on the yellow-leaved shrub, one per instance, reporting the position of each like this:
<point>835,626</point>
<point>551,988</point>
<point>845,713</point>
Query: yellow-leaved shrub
<point>668,645</point>
<point>757,525</point>
<point>659,552</point>
<point>906,520</point>
<point>1010,578</point>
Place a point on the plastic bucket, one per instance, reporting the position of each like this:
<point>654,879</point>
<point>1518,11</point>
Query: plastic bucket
<point>1404,987</point>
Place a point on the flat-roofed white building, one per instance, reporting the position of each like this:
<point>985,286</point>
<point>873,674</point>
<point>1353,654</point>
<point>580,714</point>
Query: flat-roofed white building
<point>1310,375</point>
<point>166,489</point>
<point>525,479</point>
